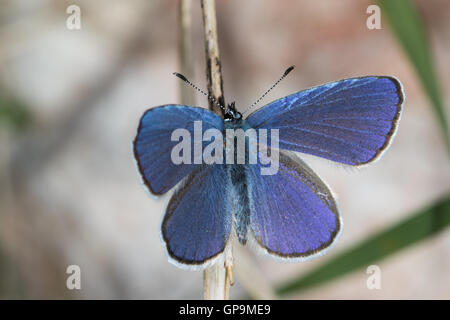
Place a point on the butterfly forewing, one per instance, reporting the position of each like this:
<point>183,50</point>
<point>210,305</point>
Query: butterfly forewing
<point>350,121</point>
<point>153,144</point>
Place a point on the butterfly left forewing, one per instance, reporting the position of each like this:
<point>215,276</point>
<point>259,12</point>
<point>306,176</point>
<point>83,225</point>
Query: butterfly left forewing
<point>153,144</point>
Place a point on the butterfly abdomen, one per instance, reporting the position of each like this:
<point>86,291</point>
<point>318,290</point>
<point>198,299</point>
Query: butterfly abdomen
<point>238,179</point>
<point>241,208</point>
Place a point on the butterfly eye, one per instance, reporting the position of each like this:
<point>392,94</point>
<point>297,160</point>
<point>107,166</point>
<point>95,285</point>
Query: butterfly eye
<point>228,116</point>
<point>232,113</point>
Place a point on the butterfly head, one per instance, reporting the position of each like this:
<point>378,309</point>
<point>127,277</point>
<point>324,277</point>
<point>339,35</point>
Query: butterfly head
<point>231,114</point>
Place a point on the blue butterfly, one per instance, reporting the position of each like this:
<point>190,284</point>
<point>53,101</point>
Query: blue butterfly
<point>290,215</point>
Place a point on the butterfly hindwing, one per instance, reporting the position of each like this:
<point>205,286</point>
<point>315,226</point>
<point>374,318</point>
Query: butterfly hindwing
<point>197,222</point>
<point>351,121</point>
<point>293,213</point>
<point>153,144</point>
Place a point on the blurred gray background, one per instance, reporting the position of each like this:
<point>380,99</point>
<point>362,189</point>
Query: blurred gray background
<point>70,193</point>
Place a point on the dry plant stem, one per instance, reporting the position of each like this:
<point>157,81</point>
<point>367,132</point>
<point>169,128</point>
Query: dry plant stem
<point>213,66</point>
<point>218,277</point>
<point>187,95</point>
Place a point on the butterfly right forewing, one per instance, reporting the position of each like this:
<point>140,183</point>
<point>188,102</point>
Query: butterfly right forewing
<point>350,121</point>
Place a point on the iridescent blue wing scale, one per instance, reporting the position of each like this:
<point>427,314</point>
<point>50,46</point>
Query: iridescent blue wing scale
<point>293,214</point>
<point>153,145</point>
<point>196,226</point>
<point>351,121</point>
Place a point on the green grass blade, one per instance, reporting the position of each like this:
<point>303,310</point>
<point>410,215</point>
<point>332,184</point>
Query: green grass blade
<point>13,114</point>
<point>414,229</point>
<point>409,29</point>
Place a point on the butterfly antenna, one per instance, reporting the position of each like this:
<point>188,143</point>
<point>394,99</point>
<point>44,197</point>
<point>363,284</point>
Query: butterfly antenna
<point>210,98</point>
<point>270,89</point>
